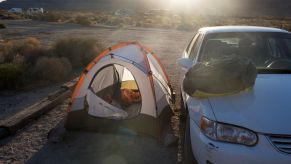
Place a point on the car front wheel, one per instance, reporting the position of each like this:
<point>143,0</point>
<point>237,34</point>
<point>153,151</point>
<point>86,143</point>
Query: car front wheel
<point>187,147</point>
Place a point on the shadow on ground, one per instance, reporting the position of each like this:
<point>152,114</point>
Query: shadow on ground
<point>85,147</point>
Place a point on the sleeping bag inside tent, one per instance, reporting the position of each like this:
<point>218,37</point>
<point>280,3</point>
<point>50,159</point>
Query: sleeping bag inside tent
<point>124,87</point>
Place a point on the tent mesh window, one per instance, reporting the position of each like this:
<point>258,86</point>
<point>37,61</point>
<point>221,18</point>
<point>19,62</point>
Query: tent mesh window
<point>116,85</point>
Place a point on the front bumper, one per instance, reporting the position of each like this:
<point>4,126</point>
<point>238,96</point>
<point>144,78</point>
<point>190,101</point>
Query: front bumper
<point>206,150</point>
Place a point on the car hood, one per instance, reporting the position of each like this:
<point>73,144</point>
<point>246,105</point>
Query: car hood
<point>265,109</point>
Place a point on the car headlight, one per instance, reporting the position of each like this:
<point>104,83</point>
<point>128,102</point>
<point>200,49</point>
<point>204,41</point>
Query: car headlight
<point>227,133</point>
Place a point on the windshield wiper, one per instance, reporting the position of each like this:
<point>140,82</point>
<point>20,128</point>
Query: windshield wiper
<point>273,71</point>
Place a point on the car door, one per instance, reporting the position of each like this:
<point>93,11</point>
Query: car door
<point>192,52</point>
<point>192,103</point>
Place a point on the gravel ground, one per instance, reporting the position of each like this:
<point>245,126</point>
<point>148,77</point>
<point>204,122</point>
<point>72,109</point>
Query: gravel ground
<point>107,149</point>
<point>13,101</point>
<point>30,144</point>
<point>31,139</point>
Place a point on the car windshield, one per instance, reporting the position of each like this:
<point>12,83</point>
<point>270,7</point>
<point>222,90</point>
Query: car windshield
<point>269,51</point>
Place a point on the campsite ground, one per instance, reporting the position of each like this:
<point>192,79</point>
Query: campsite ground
<point>30,144</point>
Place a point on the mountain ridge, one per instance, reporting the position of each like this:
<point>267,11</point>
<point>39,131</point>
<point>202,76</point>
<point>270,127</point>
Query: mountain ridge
<point>276,8</point>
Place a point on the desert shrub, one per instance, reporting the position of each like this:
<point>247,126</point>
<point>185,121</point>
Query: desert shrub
<point>2,25</point>
<point>101,19</point>
<point>165,22</point>
<point>10,76</point>
<point>1,58</point>
<point>83,20</point>
<point>115,21</point>
<point>19,60</point>
<point>128,21</point>
<point>149,21</point>
<point>79,51</point>
<point>49,16</point>
<point>7,51</point>
<point>285,26</point>
<point>139,24</point>
<point>52,69</point>
<point>185,26</point>
<point>35,63</point>
<point>6,15</point>
<point>29,49</point>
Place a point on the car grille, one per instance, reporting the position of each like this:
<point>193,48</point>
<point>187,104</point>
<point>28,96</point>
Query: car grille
<point>282,143</point>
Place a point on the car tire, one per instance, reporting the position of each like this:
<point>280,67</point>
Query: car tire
<point>188,157</point>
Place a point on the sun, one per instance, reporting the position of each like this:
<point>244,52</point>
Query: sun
<point>181,4</point>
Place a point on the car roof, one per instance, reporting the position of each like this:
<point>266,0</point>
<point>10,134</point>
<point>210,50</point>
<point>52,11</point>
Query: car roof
<point>223,29</point>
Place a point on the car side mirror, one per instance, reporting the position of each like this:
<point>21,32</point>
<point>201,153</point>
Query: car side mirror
<point>185,63</point>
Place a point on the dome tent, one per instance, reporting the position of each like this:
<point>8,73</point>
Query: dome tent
<point>124,87</point>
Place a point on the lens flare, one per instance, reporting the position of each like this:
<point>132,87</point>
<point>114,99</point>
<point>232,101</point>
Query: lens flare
<point>182,4</point>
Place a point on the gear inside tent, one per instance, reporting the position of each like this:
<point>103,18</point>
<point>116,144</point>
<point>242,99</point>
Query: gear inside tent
<point>124,87</point>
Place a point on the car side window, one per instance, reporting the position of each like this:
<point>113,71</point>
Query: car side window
<point>188,50</point>
<point>189,45</point>
<point>195,47</point>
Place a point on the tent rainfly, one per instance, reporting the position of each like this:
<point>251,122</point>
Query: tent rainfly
<point>124,87</point>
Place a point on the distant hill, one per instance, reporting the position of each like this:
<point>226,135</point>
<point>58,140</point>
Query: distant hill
<point>277,8</point>
<point>75,4</point>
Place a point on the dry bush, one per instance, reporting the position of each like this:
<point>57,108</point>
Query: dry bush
<point>184,22</point>
<point>10,76</point>
<point>20,54</point>
<point>128,21</point>
<point>19,61</point>
<point>7,50</point>
<point>185,26</point>
<point>1,58</point>
<point>28,49</point>
<point>166,22</point>
<point>49,16</point>
<point>79,51</point>
<point>100,18</point>
<point>4,14</point>
<point>38,64</point>
<point>2,25</point>
<point>52,69</point>
<point>114,21</point>
<point>82,20</point>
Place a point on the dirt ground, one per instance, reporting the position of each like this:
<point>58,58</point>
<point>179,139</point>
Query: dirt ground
<point>30,144</point>
<point>13,101</point>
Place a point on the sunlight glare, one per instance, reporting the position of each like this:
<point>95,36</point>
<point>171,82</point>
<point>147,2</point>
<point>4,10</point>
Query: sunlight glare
<point>180,4</point>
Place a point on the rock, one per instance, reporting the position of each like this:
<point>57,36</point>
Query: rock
<point>57,134</point>
<point>3,132</point>
<point>170,140</point>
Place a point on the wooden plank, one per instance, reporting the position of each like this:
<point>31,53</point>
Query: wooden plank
<point>10,125</point>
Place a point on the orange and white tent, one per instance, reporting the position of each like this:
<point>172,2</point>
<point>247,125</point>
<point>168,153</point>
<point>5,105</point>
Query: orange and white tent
<point>125,86</point>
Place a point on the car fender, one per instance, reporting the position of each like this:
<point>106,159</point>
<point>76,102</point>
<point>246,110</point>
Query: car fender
<point>198,107</point>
